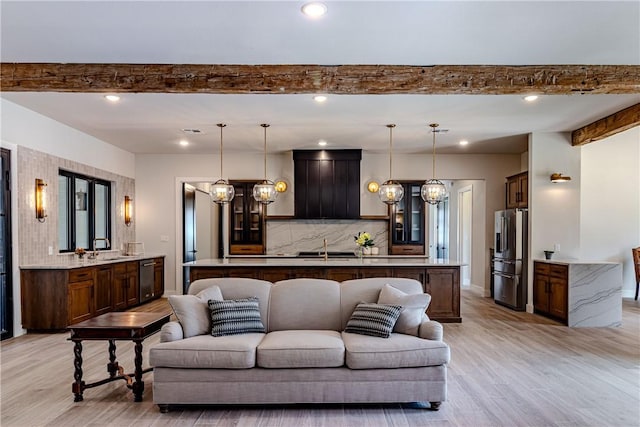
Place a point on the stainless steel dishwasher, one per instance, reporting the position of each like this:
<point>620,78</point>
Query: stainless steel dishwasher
<point>146,279</point>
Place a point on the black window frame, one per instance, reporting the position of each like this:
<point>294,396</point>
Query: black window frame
<point>71,208</point>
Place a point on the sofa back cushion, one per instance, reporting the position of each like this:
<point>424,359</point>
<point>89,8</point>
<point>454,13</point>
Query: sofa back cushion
<point>238,288</point>
<point>304,304</point>
<point>353,292</point>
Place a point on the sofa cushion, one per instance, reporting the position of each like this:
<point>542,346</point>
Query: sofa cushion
<point>205,351</point>
<point>413,308</point>
<point>397,351</point>
<point>192,311</point>
<point>305,304</point>
<point>373,319</point>
<point>301,349</point>
<point>233,317</point>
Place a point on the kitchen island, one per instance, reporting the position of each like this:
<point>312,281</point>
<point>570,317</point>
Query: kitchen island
<point>439,278</point>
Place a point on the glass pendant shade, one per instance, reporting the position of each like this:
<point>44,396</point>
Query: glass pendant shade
<point>390,192</point>
<point>222,192</point>
<point>433,191</point>
<point>265,192</point>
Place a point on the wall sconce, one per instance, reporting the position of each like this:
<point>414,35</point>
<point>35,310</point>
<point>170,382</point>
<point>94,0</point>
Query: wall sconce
<point>128,210</point>
<point>373,187</point>
<point>281,186</point>
<point>557,177</point>
<point>41,211</point>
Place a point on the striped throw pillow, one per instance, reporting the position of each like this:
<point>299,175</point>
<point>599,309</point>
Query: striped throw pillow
<point>233,317</point>
<point>376,320</point>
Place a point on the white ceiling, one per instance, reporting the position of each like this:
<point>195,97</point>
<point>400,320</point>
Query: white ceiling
<point>353,32</point>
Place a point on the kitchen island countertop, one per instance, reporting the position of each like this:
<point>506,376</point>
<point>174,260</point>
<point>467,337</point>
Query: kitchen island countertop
<point>380,261</point>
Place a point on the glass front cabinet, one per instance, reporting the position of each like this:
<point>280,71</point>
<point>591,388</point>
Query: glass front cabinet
<point>247,225</point>
<point>407,222</point>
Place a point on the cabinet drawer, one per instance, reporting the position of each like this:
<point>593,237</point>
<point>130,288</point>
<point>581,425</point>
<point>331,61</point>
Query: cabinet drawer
<point>541,267</point>
<point>246,249</point>
<point>407,250</point>
<point>80,274</point>
<point>558,271</point>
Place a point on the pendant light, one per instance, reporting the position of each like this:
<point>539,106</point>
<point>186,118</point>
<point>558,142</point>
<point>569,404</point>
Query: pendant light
<point>265,192</point>
<point>221,191</point>
<point>433,190</point>
<point>390,192</point>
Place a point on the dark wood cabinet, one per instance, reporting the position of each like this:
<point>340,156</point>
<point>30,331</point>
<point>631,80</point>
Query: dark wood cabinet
<point>102,290</point>
<point>56,298</point>
<point>158,277</point>
<point>247,225</point>
<point>407,222</point>
<point>327,184</point>
<point>518,191</point>
<point>443,283</point>
<point>551,290</point>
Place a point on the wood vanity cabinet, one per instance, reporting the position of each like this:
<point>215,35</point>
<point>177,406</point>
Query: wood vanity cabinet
<point>407,222</point>
<point>518,190</point>
<point>551,290</point>
<point>247,224</point>
<point>53,299</point>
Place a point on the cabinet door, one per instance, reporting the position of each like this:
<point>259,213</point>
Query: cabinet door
<point>80,301</point>
<point>540,293</point>
<point>407,219</point>
<point>119,290</point>
<point>102,291</point>
<point>443,284</point>
<point>158,277</point>
<point>524,190</point>
<point>132,293</point>
<point>247,221</point>
<point>513,193</point>
<point>558,298</point>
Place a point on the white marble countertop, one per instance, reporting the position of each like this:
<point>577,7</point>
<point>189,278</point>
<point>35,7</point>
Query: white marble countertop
<point>573,261</point>
<point>68,262</point>
<point>385,261</point>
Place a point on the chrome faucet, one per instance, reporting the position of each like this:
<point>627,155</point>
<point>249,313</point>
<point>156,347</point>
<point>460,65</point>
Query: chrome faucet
<point>94,255</point>
<point>324,245</point>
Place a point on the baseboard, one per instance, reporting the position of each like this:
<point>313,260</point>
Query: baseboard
<point>529,308</point>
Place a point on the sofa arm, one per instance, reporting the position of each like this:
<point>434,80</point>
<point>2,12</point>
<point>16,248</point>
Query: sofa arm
<point>171,331</point>
<point>431,330</point>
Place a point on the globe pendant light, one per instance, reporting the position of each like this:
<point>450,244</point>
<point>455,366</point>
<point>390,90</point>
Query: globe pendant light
<point>433,190</point>
<point>221,191</point>
<point>390,192</point>
<point>265,192</point>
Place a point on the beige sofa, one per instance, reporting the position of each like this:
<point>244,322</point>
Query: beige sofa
<point>305,356</point>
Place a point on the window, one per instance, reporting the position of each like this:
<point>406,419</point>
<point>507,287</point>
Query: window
<point>84,210</point>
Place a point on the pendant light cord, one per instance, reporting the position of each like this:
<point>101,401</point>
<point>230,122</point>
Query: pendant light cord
<point>265,126</point>
<point>221,125</point>
<point>433,129</point>
<point>390,126</point>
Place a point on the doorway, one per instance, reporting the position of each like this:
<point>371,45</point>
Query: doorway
<point>465,231</point>
<point>6,273</point>
<point>439,229</point>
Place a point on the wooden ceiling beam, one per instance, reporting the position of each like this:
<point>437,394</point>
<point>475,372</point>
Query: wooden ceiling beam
<point>333,79</point>
<point>607,126</point>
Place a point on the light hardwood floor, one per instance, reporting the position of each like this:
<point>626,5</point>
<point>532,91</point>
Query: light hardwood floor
<point>507,369</point>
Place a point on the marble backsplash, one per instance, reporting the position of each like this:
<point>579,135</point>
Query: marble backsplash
<point>293,236</point>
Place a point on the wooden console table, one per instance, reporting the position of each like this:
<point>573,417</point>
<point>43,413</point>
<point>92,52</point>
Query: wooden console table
<point>129,326</point>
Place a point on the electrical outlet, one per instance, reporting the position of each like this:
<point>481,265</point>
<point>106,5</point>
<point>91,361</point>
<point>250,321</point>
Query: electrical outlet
<point>50,250</point>
<point>556,247</point>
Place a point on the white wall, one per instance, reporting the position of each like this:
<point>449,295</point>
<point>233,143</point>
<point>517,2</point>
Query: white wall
<point>610,202</point>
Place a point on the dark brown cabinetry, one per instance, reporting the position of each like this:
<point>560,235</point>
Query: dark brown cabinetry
<point>551,290</point>
<point>247,221</point>
<point>442,283</point>
<point>55,298</point>
<point>327,184</point>
<point>518,190</point>
<point>158,277</point>
<point>406,222</point>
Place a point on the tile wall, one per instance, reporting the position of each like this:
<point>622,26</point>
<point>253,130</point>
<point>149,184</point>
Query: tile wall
<point>293,236</point>
<point>35,237</point>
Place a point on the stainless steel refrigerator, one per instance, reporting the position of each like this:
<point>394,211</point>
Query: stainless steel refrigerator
<point>510,258</point>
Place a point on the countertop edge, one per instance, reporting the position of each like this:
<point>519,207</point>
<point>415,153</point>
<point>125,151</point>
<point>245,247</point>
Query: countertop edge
<point>89,263</point>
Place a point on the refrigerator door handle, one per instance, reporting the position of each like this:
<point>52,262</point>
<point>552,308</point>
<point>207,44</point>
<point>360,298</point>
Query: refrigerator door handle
<point>506,276</point>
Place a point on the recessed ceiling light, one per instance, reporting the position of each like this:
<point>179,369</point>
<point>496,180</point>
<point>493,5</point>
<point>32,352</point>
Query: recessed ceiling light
<point>530,98</point>
<point>464,142</point>
<point>322,143</point>
<point>184,142</point>
<point>314,10</point>
<point>320,98</point>
<point>112,98</point>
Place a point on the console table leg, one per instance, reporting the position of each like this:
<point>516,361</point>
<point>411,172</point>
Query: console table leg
<point>78,385</point>
<point>112,366</point>
<point>138,385</point>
